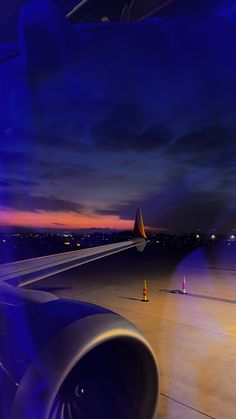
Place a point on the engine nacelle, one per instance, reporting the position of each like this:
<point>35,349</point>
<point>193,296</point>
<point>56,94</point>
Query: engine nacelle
<point>68,359</point>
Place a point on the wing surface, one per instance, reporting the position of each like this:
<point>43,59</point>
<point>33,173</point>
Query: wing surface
<point>31,270</point>
<point>25,272</point>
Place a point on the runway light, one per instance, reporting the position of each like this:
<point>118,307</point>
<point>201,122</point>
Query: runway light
<point>213,236</point>
<point>232,236</point>
<point>197,236</point>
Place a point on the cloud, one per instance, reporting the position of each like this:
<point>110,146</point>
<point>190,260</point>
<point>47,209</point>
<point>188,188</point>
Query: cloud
<point>5,183</point>
<point>125,129</point>
<point>54,171</point>
<point>27,202</point>
<point>212,145</point>
<point>15,183</point>
<point>10,158</point>
<point>179,207</point>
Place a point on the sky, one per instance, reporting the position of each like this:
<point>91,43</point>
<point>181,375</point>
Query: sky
<point>99,120</point>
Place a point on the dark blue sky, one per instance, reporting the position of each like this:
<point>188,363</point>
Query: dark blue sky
<point>96,122</point>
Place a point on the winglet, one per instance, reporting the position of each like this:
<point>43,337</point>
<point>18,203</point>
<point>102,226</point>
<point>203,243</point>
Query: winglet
<point>139,231</point>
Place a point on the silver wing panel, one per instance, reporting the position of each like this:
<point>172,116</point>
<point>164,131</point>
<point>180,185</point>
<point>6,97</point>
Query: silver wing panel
<point>28,271</point>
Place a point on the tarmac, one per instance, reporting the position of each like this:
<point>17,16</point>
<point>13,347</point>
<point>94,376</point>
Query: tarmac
<point>193,335</point>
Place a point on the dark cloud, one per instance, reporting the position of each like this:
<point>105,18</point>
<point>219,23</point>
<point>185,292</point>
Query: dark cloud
<point>52,171</point>
<point>67,142</point>
<point>178,208</point>
<point>115,134</point>
<point>26,202</point>
<point>14,182</point>
<point>56,135</point>
<point>4,183</point>
<point>9,158</point>
<point>212,146</point>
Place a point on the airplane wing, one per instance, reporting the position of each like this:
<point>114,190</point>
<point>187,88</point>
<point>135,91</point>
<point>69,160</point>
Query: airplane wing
<point>25,272</point>
<point>31,270</point>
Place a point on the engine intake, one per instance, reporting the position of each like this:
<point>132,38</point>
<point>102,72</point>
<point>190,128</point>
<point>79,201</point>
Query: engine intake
<point>98,366</point>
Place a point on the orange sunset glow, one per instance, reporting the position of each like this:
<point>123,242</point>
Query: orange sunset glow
<point>65,220</point>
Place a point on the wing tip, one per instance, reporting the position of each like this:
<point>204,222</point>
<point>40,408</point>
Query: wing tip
<point>139,230</point>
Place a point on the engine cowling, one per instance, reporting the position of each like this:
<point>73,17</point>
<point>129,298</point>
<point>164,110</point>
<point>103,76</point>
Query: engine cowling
<point>70,359</point>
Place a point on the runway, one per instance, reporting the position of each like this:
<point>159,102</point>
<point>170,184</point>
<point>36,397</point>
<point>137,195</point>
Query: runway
<point>194,339</point>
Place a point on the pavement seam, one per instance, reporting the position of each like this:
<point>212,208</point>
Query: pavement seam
<point>199,296</point>
<point>113,308</point>
<point>186,405</point>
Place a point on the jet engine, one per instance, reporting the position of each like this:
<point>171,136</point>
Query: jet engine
<point>69,359</point>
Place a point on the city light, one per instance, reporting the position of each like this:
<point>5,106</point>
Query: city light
<point>213,236</point>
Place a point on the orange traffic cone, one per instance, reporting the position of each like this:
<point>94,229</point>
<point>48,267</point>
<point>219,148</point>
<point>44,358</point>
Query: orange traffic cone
<point>145,292</point>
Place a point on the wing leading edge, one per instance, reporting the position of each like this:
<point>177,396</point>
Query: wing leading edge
<point>20,273</point>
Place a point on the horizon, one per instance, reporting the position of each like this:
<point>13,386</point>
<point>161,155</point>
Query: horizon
<point>94,230</point>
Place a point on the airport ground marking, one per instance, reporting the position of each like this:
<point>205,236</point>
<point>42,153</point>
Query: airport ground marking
<point>199,296</point>
<point>186,405</point>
